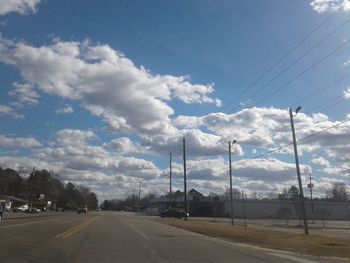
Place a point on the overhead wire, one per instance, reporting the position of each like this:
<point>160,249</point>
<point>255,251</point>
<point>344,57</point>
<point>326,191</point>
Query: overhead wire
<point>298,59</point>
<point>278,61</point>
<point>316,92</point>
<point>302,73</point>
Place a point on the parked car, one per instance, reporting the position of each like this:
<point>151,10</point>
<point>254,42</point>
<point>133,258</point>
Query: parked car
<point>173,213</point>
<point>22,208</point>
<point>82,210</point>
<point>32,210</point>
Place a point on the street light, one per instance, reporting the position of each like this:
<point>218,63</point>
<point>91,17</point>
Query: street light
<point>231,198</point>
<point>302,201</point>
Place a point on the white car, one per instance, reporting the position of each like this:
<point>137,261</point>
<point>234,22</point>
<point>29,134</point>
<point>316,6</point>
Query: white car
<point>22,208</point>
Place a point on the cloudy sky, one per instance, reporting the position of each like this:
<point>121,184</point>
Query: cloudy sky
<point>101,91</point>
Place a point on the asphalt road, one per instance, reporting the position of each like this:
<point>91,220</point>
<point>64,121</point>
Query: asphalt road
<point>115,237</point>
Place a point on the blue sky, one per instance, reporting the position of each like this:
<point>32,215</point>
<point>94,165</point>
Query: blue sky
<point>101,91</point>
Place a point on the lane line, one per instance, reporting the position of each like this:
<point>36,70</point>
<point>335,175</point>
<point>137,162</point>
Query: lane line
<point>76,229</point>
<point>26,224</point>
<point>301,260</point>
<point>136,229</point>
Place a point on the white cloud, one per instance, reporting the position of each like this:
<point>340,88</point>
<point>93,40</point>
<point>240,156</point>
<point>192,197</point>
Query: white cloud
<point>25,93</point>
<point>321,161</point>
<point>23,7</point>
<point>198,143</point>
<point>7,110</point>
<point>7,142</point>
<point>268,170</point>
<point>109,85</point>
<point>68,137</point>
<point>124,145</point>
<point>67,109</point>
<point>346,93</point>
<point>346,63</point>
<point>322,6</point>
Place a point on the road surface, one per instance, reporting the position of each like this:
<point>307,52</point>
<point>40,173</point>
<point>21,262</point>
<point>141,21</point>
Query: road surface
<point>116,237</point>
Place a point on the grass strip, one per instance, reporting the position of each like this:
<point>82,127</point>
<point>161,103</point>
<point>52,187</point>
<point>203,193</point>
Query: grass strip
<point>268,238</point>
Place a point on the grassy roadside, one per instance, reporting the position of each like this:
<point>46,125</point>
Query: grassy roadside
<point>311,244</point>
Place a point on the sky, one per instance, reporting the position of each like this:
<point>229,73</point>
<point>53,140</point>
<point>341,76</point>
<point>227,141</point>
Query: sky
<point>100,92</point>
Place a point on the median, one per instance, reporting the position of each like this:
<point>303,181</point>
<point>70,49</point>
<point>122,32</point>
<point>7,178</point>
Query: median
<point>267,238</point>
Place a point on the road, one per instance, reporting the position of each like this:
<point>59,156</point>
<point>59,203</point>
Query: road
<point>116,237</point>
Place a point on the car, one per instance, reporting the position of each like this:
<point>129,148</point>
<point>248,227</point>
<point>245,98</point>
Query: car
<point>22,208</point>
<point>171,212</point>
<point>82,210</point>
<point>32,210</point>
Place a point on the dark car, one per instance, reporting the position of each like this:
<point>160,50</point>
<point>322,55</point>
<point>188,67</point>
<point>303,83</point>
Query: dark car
<point>173,213</point>
<point>82,210</point>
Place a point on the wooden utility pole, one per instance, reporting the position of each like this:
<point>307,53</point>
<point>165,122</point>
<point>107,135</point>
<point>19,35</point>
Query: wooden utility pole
<point>301,192</point>
<point>185,179</point>
<point>170,183</point>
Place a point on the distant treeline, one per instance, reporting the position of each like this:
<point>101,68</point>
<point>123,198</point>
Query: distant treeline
<point>46,186</point>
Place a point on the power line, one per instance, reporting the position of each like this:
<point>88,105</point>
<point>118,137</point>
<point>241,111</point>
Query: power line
<point>302,73</point>
<point>327,87</point>
<point>298,59</point>
<point>331,103</point>
<point>278,61</point>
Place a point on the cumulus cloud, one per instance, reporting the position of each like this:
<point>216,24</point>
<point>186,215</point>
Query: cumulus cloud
<point>68,137</point>
<point>7,110</point>
<point>7,142</point>
<point>270,169</point>
<point>23,7</point>
<point>322,6</point>
<point>268,128</point>
<point>321,161</point>
<point>109,85</point>
<point>124,145</point>
<point>25,94</point>
<point>346,63</point>
<point>198,143</point>
<point>346,93</point>
<point>67,109</point>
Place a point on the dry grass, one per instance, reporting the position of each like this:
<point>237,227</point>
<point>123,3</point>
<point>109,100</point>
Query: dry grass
<point>295,242</point>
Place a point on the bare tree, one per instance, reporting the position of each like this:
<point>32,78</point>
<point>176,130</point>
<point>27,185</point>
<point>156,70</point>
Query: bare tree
<point>338,192</point>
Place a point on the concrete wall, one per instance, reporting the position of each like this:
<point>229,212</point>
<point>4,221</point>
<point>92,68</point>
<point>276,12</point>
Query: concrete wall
<point>288,209</point>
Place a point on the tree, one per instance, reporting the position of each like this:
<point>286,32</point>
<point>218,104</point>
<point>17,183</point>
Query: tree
<point>42,182</point>
<point>236,193</point>
<point>338,192</point>
<point>11,182</point>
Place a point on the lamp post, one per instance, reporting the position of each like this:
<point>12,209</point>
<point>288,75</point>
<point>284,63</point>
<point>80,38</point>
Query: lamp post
<point>231,197</point>
<point>311,185</point>
<point>301,192</point>
<point>170,181</point>
<point>185,179</point>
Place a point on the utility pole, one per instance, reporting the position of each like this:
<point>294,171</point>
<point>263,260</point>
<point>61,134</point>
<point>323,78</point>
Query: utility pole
<point>170,190</point>
<point>231,194</point>
<point>244,197</point>
<point>310,185</point>
<point>302,200</point>
<point>185,183</point>
<point>139,190</point>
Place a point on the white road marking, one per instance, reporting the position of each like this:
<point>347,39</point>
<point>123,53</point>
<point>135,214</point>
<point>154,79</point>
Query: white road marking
<point>301,260</point>
<point>137,230</point>
<point>26,224</point>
